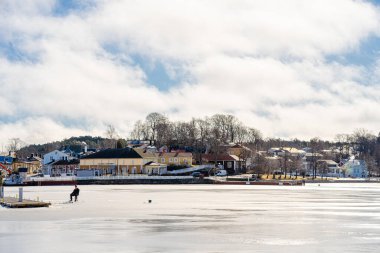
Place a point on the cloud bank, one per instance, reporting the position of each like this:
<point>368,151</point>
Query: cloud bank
<point>69,69</point>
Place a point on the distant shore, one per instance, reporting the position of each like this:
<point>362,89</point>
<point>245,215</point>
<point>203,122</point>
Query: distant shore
<point>153,180</point>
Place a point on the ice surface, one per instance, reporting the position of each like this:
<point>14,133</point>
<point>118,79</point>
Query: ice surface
<point>196,218</point>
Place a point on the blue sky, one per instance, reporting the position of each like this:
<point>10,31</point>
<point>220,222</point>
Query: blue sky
<point>72,67</point>
<point>65,7</point>
<point>365,55</point>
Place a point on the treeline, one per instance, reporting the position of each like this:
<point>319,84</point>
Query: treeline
<point>209,134</point>
<point>74,143</point>
<point>206,133</point>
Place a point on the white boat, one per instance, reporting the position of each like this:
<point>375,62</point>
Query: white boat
<point>13,180</point>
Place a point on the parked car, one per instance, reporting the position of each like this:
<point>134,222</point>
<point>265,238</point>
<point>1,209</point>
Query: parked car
<point>221,173</point>
<point>196,174</point>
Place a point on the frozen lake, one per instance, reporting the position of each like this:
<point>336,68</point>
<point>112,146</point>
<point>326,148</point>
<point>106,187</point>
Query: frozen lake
<point>196,218</point>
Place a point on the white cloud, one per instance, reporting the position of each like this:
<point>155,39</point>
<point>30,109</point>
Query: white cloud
<point>197,29</point>
<point>264,61</point>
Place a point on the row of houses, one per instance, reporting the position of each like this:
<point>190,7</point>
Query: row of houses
<point>124,161</point>
<point>145,159</point>
<point>139,160</point>
<point>310,161</point>
<point>142,159</point>
<point>31,164</point>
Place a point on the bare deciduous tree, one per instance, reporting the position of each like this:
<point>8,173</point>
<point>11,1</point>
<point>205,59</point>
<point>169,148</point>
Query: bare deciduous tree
<point>156,122</point>
<point>15,144</point>
<point>112,136</point>
<point>140,131</point>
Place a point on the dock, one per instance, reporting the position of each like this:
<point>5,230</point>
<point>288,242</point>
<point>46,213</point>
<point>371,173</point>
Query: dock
<point>11,202</point>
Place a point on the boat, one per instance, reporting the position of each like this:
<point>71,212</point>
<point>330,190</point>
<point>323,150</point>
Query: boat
<point>13,180</point>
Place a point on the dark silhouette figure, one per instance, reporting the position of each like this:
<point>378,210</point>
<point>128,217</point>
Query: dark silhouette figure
<point>75,194</point>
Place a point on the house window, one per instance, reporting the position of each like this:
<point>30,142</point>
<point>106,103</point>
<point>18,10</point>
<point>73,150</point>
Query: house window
<point>170,159</point>
<point>175,159</point>
<point>185,161</point>
<point>229,165</point>
<point>162,160</point>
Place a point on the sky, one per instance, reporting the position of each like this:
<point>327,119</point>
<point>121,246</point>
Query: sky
<point>290,68</point>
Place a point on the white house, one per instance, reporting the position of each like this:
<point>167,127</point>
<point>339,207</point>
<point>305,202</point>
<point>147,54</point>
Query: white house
<point>52,157</point>
<point>355,168</point>
<point>286,151</point>
<point>329,168</point>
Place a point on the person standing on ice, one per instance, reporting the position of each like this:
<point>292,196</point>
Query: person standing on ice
<point>75,193</point>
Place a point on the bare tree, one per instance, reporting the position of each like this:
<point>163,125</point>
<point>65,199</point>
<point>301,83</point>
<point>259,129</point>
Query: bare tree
<point>202,134</point>
<point>163,132</point>
<point>254,136</point>
<point>260,165</point>
<point>296,166</point>
<point>15,144</point>
<point>227,125</point>
<point>371,164</point>
<point>315,146</point>
<point>111,135</point>
<point>140,131</point>
<point>241,134</point>
<point>364,142</point>
<point>155,122</point>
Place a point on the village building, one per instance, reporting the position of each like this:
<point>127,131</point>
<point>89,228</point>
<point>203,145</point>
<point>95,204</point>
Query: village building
<point>50,158</point>
<point>147,155</point>
<point>309,162</point>
<point>56,155</point>
<point>244,154</point>
<point>64,168</point>
<point>30,167</point>
<point>153,168</point>
<point>286,151</point>
<point>329,168</point>
<point>230,163</point>
<point>176,158</point>
<point>123,161</point>
<point>150,162</point>
<point>355,168</point>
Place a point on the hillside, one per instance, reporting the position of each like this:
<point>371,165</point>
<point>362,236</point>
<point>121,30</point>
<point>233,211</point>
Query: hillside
<point>75,143</point>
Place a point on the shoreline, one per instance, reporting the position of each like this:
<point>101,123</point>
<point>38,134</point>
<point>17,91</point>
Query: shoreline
<point>181,181</point>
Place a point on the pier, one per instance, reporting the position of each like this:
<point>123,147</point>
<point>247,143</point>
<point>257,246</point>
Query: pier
<point>11,202</point>
<point>20,202</point>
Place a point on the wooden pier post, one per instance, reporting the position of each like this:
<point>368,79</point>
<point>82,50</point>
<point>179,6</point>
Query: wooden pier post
<point>1,187</point>
<point>20,194</point>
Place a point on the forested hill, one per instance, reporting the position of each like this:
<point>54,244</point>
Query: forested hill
<point>75,143</point>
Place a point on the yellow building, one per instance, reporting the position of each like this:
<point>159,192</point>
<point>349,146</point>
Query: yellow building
<point>123,161</point>
<point>152,168</point>
<point>32,166</point>
<point>176,158</point>
<point>148,156</point>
